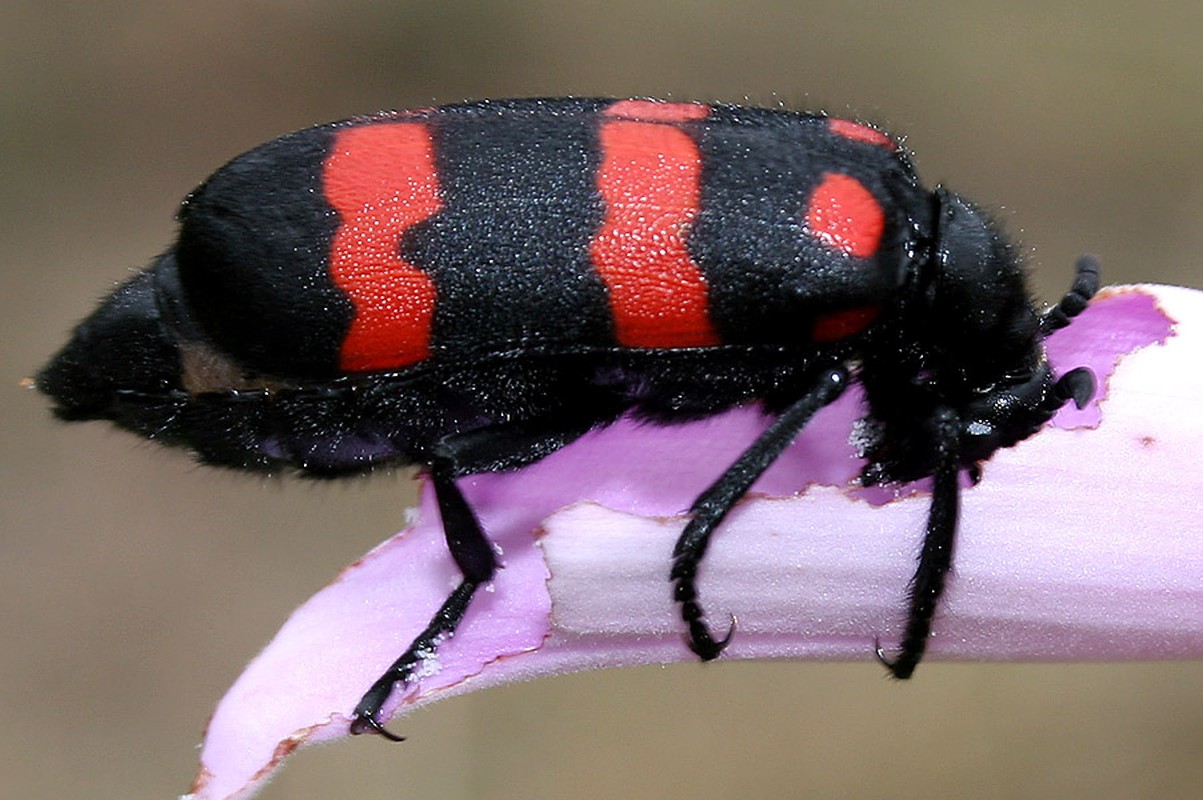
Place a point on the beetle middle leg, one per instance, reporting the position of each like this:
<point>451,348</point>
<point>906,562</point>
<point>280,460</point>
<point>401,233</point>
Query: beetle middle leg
<point>713,505</point>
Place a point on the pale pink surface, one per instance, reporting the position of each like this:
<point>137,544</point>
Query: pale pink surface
<point>1082,543</point>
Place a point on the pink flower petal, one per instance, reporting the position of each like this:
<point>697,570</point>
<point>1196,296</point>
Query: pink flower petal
<point>1082,543</point>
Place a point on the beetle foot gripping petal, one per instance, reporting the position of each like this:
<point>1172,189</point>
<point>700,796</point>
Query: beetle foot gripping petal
<point>1077,385</point>
<point>367,723</point>
<point>442,624</point>
<point>363,719</point>
<point>699,638</point>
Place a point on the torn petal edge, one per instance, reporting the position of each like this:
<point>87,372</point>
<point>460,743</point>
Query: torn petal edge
<point>1067,550</point>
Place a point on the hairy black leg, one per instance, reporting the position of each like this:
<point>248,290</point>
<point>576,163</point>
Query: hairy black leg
<point>474,556</point>
<point>714,503</point>
<point>935,560</point>
<point>484,450</point>
<point>1086,283</point>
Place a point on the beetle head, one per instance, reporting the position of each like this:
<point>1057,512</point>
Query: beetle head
<point>980,324</point>
<point>975,347</point>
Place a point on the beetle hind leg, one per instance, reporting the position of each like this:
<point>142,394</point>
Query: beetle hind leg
<point>483,450</point>
<point>476,561</point>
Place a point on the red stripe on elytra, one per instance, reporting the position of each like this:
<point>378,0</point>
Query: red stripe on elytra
<point>650,181</point>
<point>837,325</point>
<point>845,216</point>
<point>382,180</point>
<point>860,132</point>
<point>654,111</point>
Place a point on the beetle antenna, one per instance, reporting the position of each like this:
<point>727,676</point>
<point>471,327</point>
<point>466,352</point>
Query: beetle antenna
<point>1086,283</point>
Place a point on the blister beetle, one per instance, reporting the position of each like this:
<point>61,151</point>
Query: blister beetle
<point>470,287</point>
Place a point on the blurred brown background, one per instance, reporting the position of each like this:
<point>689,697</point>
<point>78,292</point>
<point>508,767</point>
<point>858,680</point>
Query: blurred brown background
<point>134,585</point>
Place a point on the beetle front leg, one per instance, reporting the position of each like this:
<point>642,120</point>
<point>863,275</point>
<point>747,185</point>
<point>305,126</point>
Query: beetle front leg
<point>935,559</point>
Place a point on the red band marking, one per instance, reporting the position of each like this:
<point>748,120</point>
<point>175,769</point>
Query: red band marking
<point>653,111</point>
<point>845,216</point>
<point>382,180</point>
<point>860,132</point>
<point>841,324</point>
<point>650,180</point>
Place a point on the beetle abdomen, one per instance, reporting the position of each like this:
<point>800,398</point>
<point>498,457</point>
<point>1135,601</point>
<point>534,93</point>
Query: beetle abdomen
<point>379,243</point>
